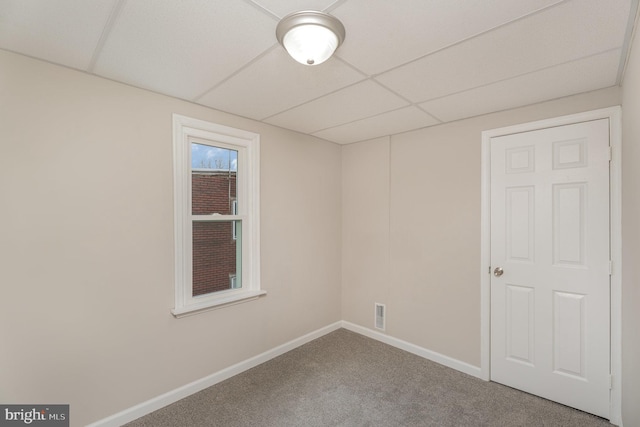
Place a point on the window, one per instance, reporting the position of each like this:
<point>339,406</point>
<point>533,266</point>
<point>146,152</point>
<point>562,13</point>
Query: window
<point>217,230</point>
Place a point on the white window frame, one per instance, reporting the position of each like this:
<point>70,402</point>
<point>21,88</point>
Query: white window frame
<point>185,131</point>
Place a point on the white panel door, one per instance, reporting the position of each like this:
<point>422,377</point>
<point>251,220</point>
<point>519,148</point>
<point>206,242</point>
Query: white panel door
<point>550,238</point>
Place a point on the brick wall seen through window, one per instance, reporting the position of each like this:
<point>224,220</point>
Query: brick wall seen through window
<point>214,249</point>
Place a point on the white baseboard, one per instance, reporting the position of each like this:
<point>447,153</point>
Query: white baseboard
<point>173,396</point>
<point>418,351</point>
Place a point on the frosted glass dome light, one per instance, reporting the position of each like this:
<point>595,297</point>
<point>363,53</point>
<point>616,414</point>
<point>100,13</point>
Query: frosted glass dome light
<point>310,37</point>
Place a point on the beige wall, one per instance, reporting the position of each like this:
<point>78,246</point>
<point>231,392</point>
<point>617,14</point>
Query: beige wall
<point>631,239</point>
<point>86,244</point>
<point>411,227</point>
<point>365,230</point>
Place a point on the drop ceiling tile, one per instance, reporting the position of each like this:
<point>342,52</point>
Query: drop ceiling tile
<point>346,105</point>
<point>65,32</point>
<point>383,34</point>
<point>275,83</point>
<point>584,75</point>
<point>184,48</point>
<point>393,122</point>
<point>565,32</point>
<point>285,7</point>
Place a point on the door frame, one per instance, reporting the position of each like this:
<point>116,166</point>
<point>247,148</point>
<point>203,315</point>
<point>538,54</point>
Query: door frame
<point>614,114</point>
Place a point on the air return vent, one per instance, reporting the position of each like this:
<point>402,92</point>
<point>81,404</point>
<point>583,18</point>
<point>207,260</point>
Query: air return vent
<point>380,313</point>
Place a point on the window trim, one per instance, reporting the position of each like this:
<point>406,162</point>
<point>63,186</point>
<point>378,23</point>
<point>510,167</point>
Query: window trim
<point>185,130</point>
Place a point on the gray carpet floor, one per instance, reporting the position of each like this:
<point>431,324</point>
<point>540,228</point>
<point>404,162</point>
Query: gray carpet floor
<point>346,379</point>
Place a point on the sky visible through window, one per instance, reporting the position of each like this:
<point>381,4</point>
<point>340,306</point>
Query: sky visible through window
<point>208,157</point>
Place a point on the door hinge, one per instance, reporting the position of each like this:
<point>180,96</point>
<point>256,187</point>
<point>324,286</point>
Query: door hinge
<point>610,382</point>
<point>610,153</point>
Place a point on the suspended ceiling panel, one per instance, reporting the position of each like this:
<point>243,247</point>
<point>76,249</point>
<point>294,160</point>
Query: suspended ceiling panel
<point>65,32</point>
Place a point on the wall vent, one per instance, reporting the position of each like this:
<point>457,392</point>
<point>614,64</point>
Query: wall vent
<point>380,316</point>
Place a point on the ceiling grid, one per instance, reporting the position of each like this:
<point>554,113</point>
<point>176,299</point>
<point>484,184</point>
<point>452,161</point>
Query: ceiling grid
<point>404,65</point>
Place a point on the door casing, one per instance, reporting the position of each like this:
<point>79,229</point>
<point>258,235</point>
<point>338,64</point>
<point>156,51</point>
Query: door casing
<point>614,114</point>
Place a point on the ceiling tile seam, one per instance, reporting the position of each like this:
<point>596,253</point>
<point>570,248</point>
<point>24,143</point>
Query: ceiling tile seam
<point>48,61</point>
<point>519,75</point>
<point>411,103</point>
<point>390,136</point>
<point>632,23</point>
<point>315,99</point>
<point>363,118</point>
<point>235,73</point>
<point>408,101</point>
<point>431,114</point>
<point>481,33</point>
<point>263,9</point>
<point>336,56</point>
<point>333,6</point>
<point>106,32</point>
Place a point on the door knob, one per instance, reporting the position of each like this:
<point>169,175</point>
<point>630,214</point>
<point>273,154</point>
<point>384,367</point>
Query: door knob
<point>498,271</point>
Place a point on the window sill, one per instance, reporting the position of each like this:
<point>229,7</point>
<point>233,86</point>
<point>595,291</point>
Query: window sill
<point>223,301</point>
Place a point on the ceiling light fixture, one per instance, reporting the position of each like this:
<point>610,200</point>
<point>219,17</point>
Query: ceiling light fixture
<point>309,36</point>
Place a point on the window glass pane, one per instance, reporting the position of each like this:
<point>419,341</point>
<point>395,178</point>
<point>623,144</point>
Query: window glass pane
<point>216,256</point>
<point>213,179</point>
